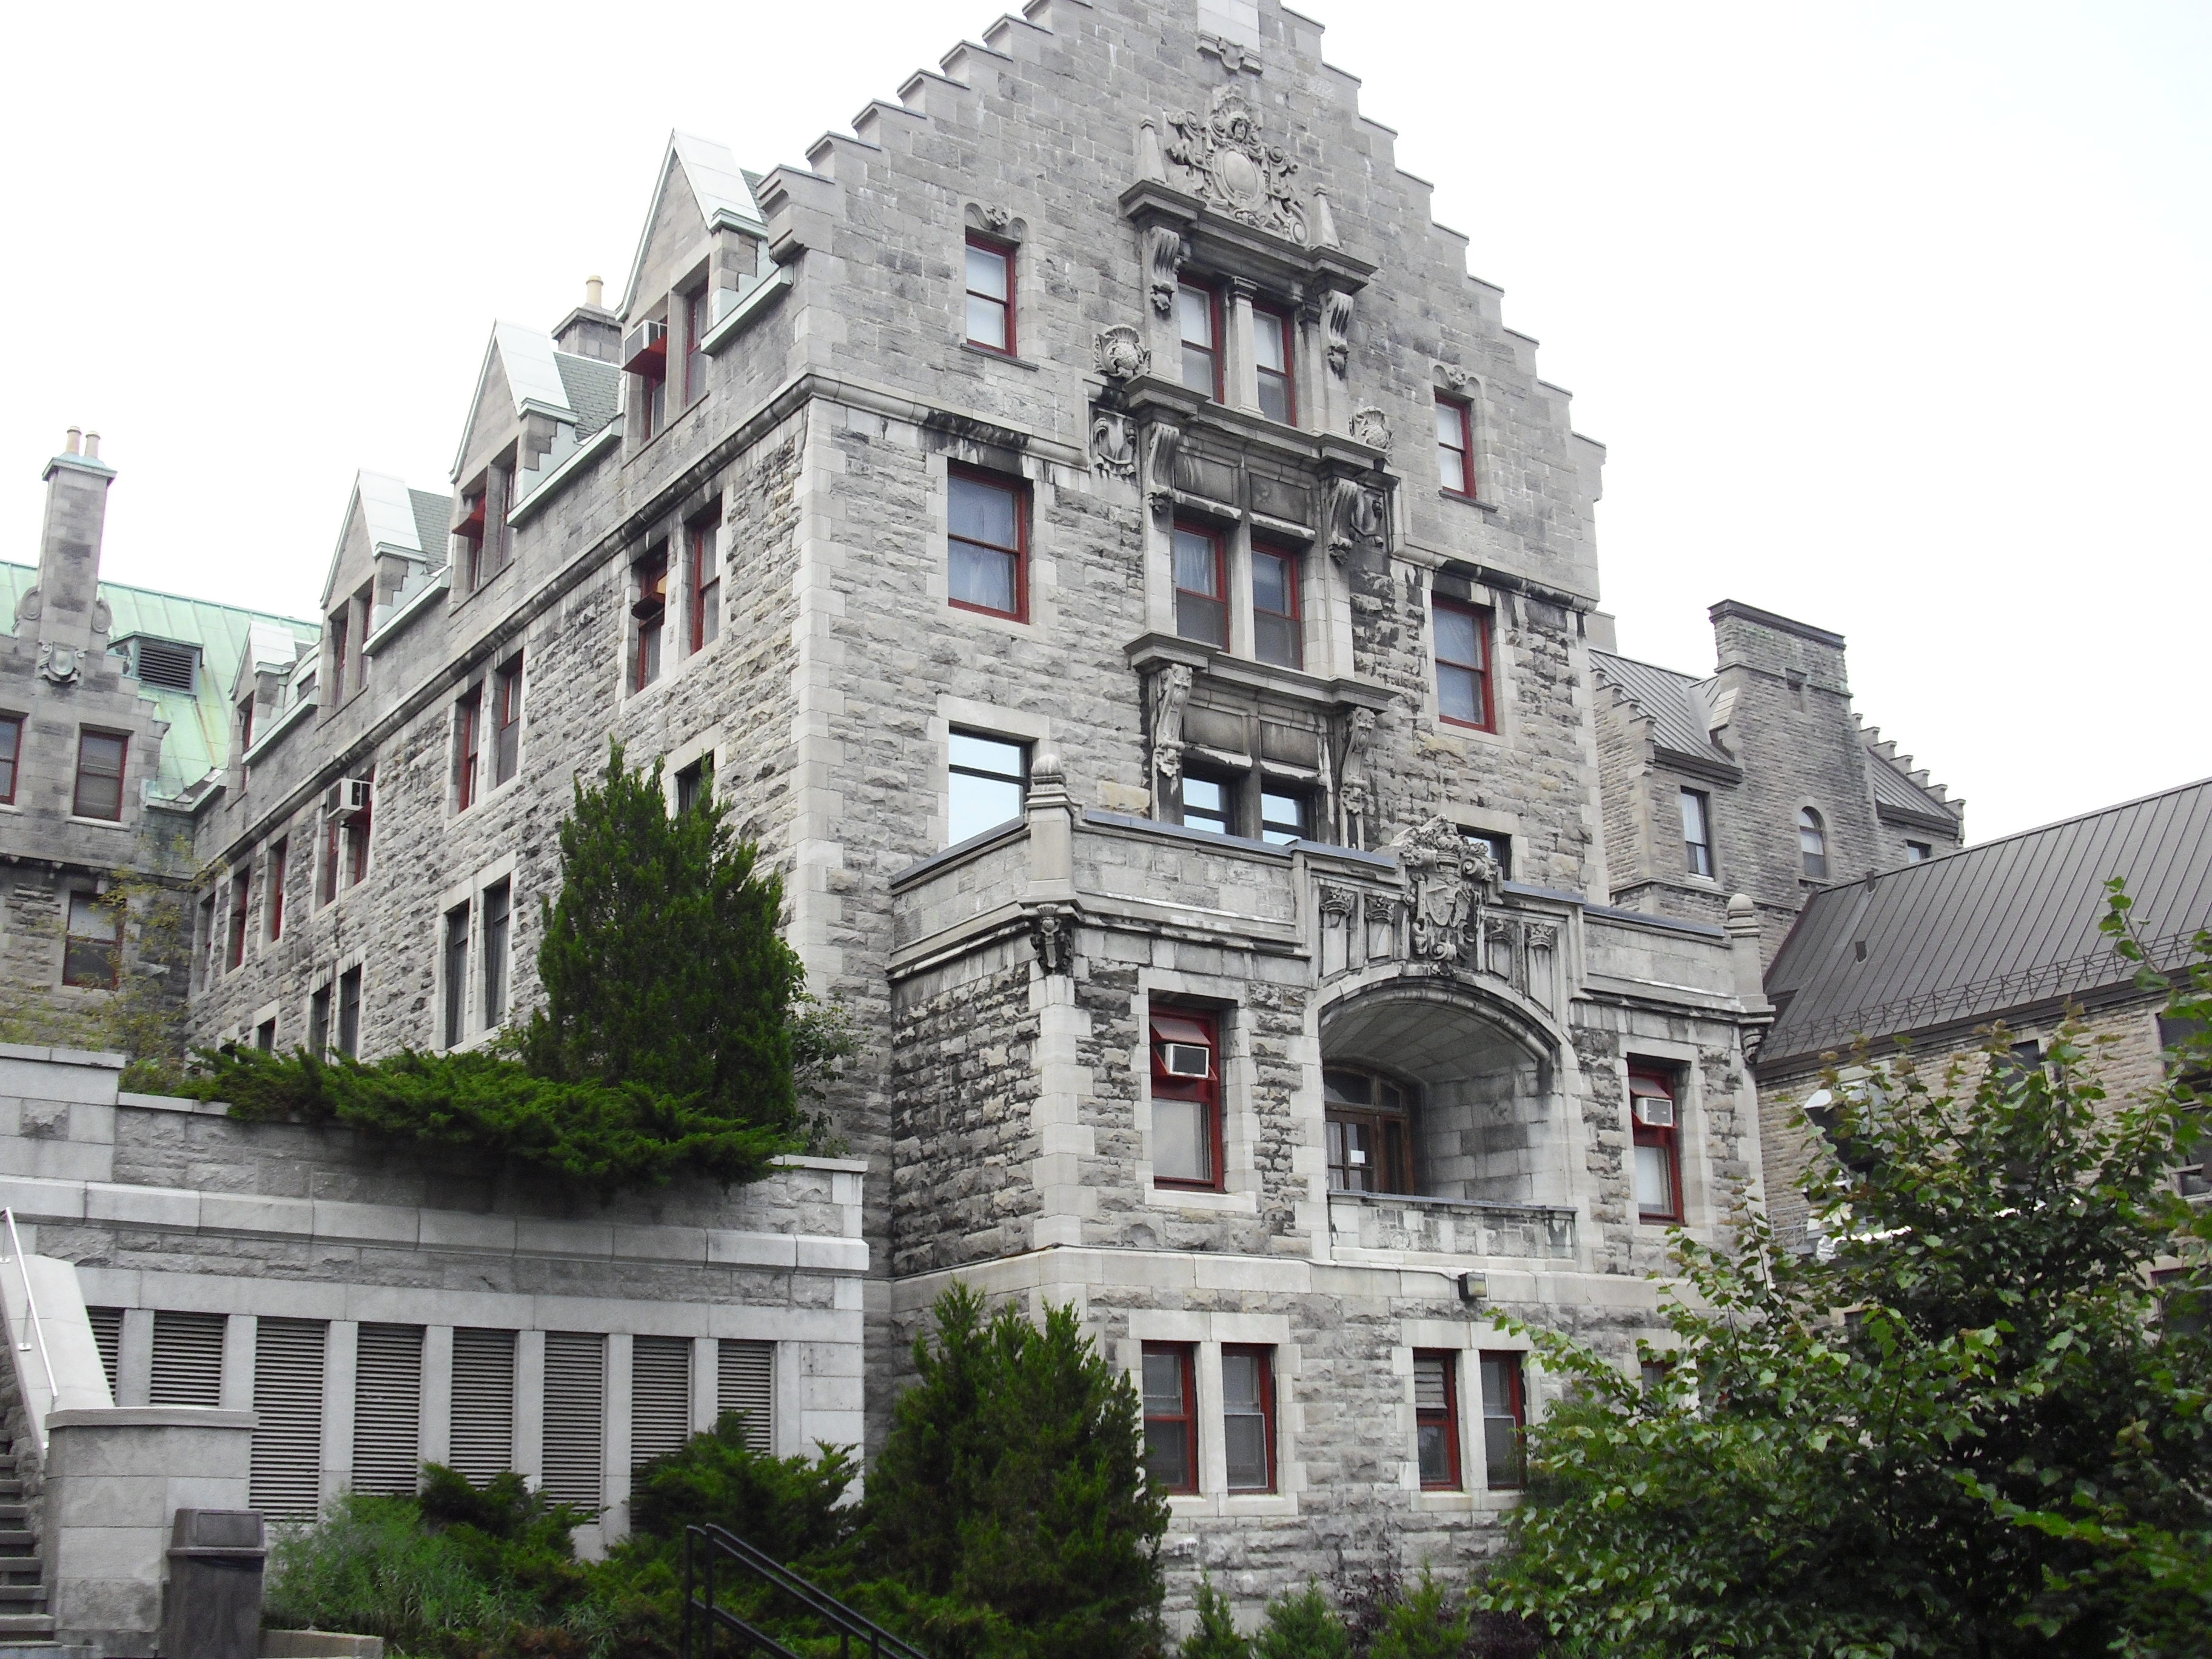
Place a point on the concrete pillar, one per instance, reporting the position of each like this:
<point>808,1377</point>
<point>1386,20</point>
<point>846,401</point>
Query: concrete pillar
<point>615,1477</point>
<point>134,1360</point>
<point>239,1336</point>
<point>437,1394</point>
<point>341,1383</point>
<point>530,1406</point>
<point>1743,953</point>
<point>706,1382</point>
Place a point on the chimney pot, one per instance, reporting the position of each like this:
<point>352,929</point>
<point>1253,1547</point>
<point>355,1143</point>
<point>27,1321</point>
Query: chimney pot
<point>593,289</point>
<point>75,443</point>
<point>92,446</point>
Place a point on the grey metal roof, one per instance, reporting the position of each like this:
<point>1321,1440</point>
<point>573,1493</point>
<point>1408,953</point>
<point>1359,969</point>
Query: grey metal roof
<point>1675,703</point>
<point>1892,788</point>
<point>594,390</point>
<point>434,519</point>
<point>1963,938</point>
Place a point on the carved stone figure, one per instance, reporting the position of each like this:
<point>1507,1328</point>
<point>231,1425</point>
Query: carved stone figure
<point>1163,442</point>
<point>1119,354</point>
<point>1355,516</point>
<point>1371,427</point>
<point>1164,257</point>
<point>1170,691</point>
<point>1453,376</point>
<point>1355,779</point>
<point>1233,168</point>
<point>1114,443</point>
<point>1336,327</point>
<point>61,664</point>
<point>1055,937</point>
<point>1445,880</point>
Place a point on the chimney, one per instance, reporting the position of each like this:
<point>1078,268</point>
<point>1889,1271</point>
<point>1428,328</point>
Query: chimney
<point>591,330</point>
<point>63,611</point>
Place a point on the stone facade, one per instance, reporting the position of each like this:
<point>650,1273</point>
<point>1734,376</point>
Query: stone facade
<point>1770,735</point>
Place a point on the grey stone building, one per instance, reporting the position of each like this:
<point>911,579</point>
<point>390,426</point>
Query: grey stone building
<point>1088,527</point>
<point>1758,780</point>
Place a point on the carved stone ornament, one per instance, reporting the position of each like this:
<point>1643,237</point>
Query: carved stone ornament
<point>1233,55</point>
<point>1356,518</point>
<point>1163,442</point>
<point>1445,879</point>
<point>1453,376</point>
<point>1170,691</point>
<point>1114,443</point>
<point>1338,901</point>
<point>1053,934</point>
<point>1371,427</point>
<point>994,218</point>
<point>1120,353</point>
<point>61,664</point>
<point>1355,779</point>
<point>1232,167</point>
<point>1164,257</point>
<point>1336,328</point>
<point>1381,907</point>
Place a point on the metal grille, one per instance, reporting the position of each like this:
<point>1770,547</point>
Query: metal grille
<point>483,1403</point>
<point>165,664</point>
<point>387,1409</point>
<point>746,1379</point>
<point>288,1398</point>
<point>575,1416</point>
<point>107,1337</point>
<point>187,1360</point>
<point>659,1396</point>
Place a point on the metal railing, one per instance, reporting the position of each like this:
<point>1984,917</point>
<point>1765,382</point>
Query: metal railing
<point>704,1548</point>
<point>31,1318</point>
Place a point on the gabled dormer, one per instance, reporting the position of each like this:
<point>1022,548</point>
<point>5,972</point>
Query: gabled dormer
<point>702,255</point>
<point>259,693</point>
<point>535,405</point>
<point>391,549</point>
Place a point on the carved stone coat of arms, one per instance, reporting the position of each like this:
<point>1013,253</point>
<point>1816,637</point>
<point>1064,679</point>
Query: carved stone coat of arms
<point>1445,879</point>
<point>1232,167</point>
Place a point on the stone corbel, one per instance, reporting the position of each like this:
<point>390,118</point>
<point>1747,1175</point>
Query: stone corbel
<point>1052,930</point>
<point>1165,695</point>
<point>1162,443</point>
<point>1164,253</point>
<point>1336,328</point>
<point>1355,779</point>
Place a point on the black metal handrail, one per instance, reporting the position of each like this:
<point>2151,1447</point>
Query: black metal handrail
<point>704,1546</point>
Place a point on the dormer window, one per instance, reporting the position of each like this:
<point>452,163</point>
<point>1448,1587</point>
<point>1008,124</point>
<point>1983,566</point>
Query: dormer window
<point>694,353</point>
<point>645,353</point>
<point>1271,355</point>
<point>498,500</point>
<point>1198,318</point>
<point>471,532</point>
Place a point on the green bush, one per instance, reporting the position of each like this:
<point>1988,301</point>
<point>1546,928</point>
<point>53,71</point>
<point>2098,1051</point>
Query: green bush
<point>1301,1624</point>
<point>1422,1624</point>
<point>1214,1635</point>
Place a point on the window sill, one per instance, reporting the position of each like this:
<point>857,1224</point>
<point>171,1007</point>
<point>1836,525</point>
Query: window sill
<point>997,356</point>
<point>1466,499</point>
<point>95,823</point>
<point>1202,1197</point>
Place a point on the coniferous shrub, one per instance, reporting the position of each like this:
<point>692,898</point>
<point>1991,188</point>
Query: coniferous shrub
<point>1215,1635</point>
<point>1302,1624</point>
<point>675,1036</point>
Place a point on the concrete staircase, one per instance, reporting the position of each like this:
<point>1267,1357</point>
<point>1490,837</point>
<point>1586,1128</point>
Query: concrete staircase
<point>25,1628</point>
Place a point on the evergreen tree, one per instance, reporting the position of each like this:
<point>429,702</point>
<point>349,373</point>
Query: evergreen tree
<point>1011,1501</point>
<point>1215,1635</point>
<point>1301,1624</point>
<point>1967,1425</point>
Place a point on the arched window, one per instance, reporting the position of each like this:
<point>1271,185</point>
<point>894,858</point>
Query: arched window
<point>1370,1132</point>
<point>1813,843</point>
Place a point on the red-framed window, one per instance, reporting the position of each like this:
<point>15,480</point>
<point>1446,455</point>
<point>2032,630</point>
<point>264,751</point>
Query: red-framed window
<point>1277,636</point>
<point>694,353</point>
<point>329,888</point>
<point>1202,584</point>
<point>1186,1047</point>
<point>1504,1421</point>
<point>1463,696</point>
<point>991,294</point>
<point>92,951</point>
<point>468,721</point>
<point>1274,341</point>
<point>986,551</point>
<point>1656,1116</point>
<point>1171,1415</point>
<point>476,513</point>
<point>1436,1417</point>
<point>11,754</point>
<point>241,906</point>
<point>102,759</point>
<point>280,861</point>
<point>650,611</point>
<point>356,834</point>
<point>1455,446</point>
<point>1198,320</point>
<point>705,563</point>
<point>499,497</point>
<point>1248,1416</point>
<point>506,720</point>
<point>336,676</point>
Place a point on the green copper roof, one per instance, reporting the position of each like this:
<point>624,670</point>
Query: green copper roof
<point>199,740</point>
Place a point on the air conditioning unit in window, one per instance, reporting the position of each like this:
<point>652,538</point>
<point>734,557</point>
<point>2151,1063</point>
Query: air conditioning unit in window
<point>346,798</point>
<point>645,349</point>
<point>1188,1060</point>
<point>1655,1111</point>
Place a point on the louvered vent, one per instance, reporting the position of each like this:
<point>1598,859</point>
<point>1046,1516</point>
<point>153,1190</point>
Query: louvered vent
<point>387,1409</point>
<point>288,1401</point>
<point>659,1396</point>
<point>107,1337</point>
<point>748,1385</point>
<point>483,1403</point>
<point>166,664</point>
<point>187,1360</point>
<point>575,1416</point>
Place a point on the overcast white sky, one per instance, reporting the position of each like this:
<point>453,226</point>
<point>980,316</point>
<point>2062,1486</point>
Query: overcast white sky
<point>1893,316</point>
